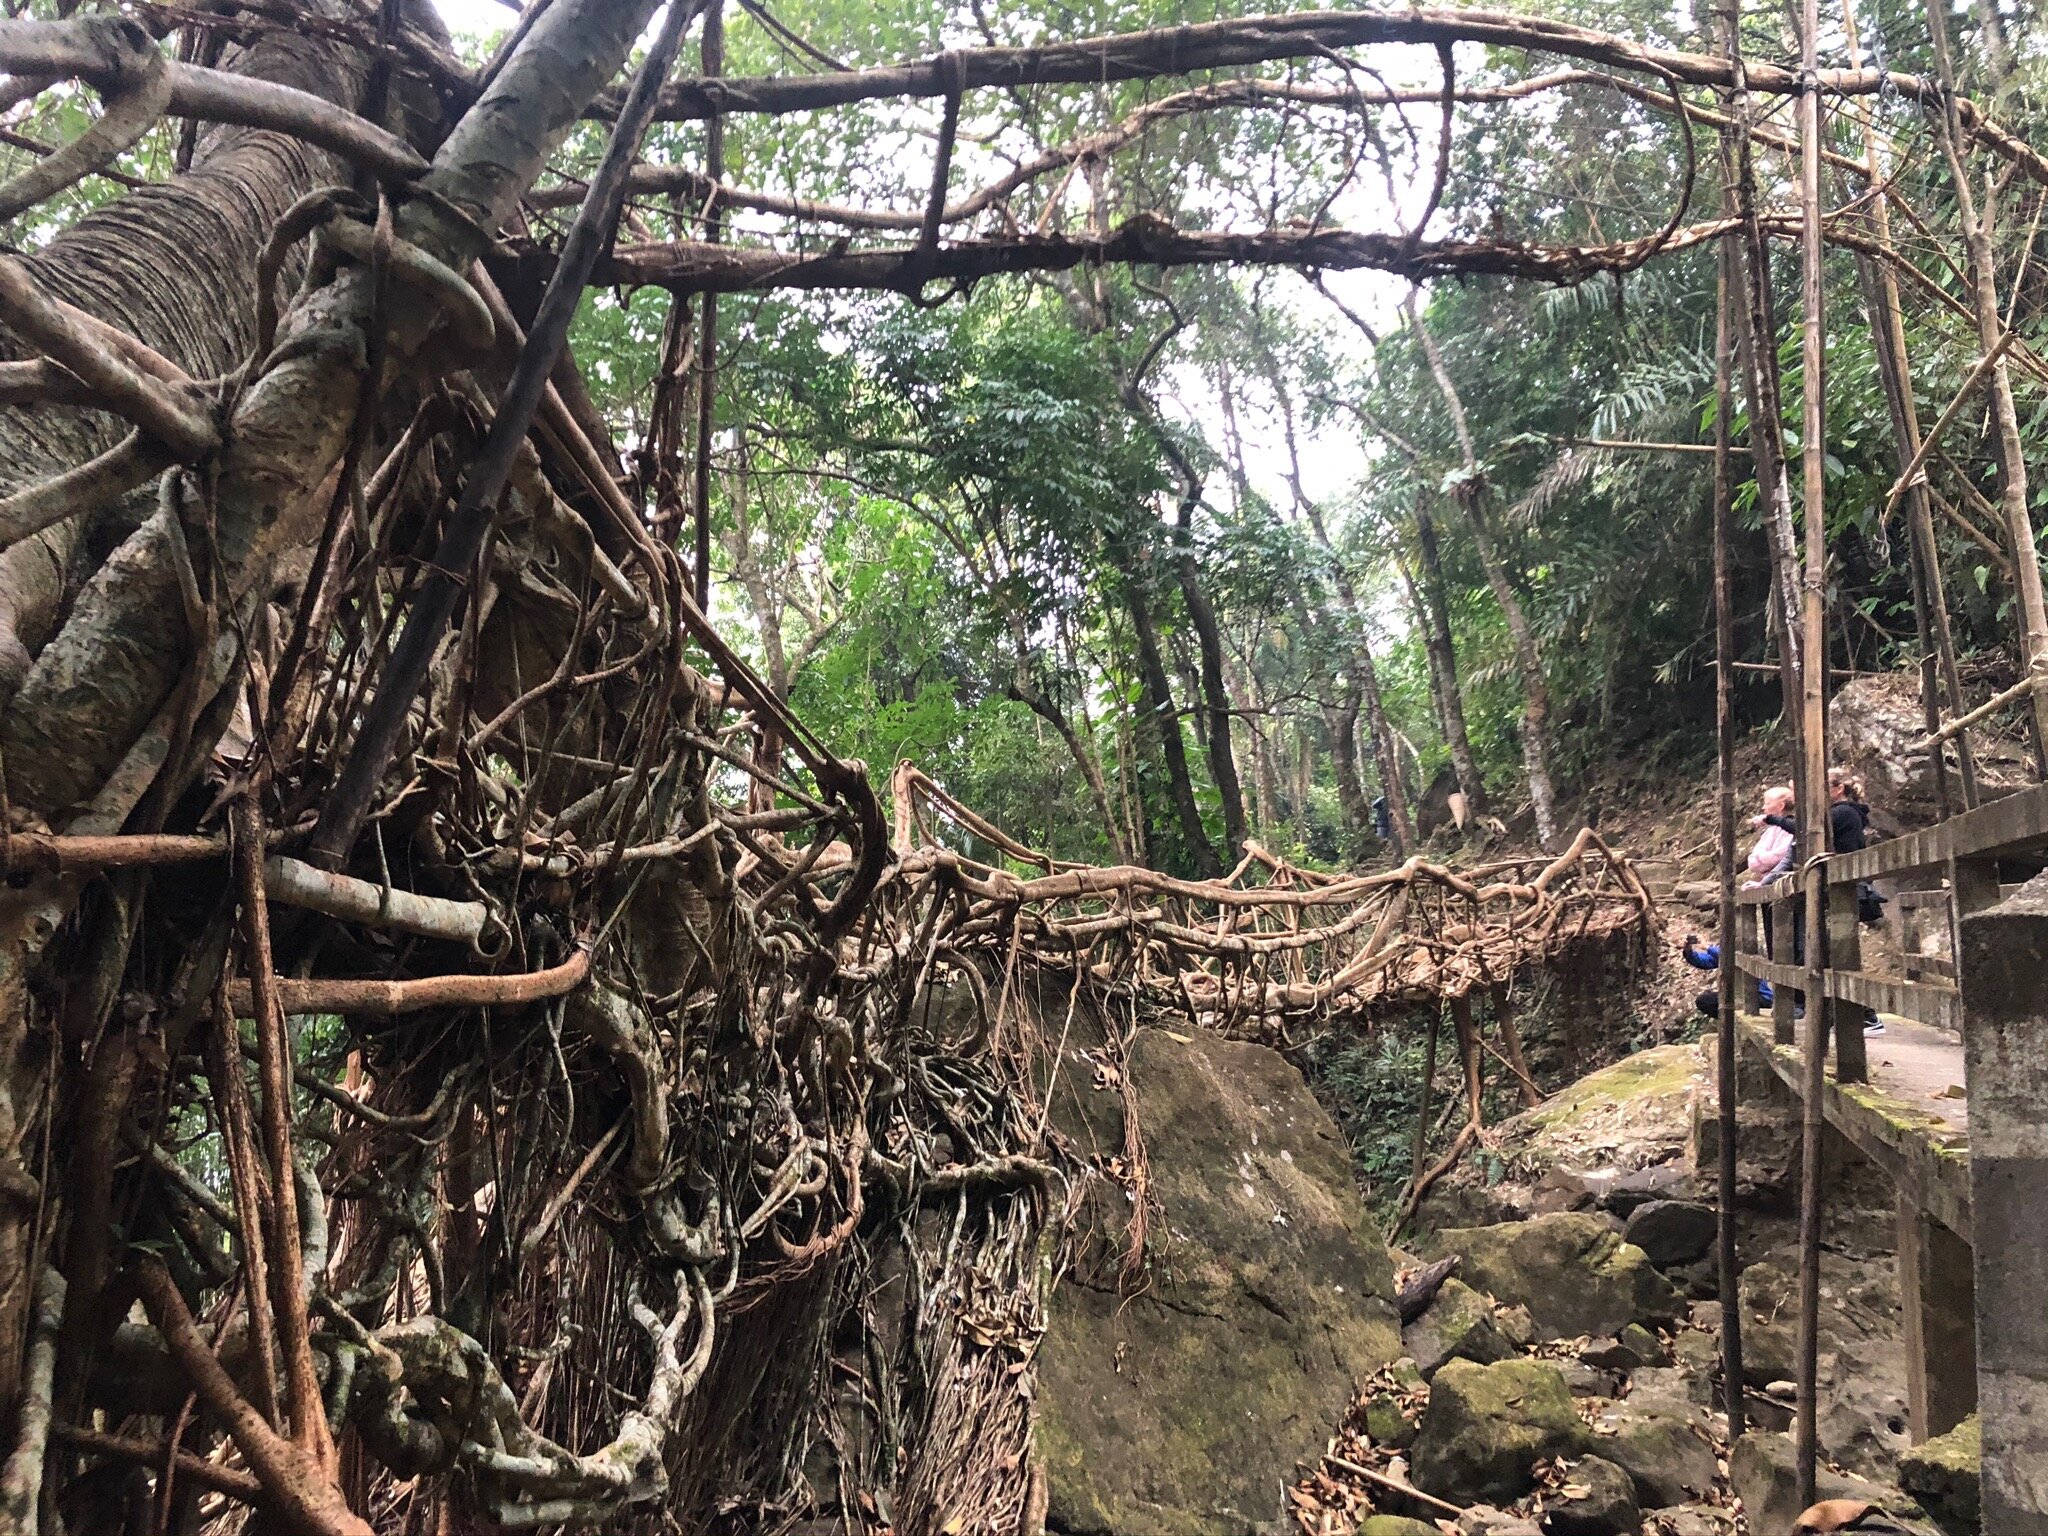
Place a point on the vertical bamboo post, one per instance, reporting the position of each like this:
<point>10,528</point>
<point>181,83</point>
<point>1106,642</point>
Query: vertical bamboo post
<point>712,56</point>
<point>1724,735</point>
<point>1812,778</point>
<point>1756,340</point>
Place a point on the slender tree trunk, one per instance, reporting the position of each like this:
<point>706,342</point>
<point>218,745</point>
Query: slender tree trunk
<point>1528,652</point>
<point>1529,659</point>
<point>1215,695</point>
<point>1386,751</point>
<point>1364,674</point>
<point>1216,703</point>
<point>1435,610</point>
<point>2005,433</point>
<point>1034,698</point>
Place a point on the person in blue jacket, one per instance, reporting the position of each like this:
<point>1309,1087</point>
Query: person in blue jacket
<point>1708,958</point>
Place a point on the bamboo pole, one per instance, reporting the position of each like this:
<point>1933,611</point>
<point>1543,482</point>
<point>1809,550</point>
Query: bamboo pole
<point>1812,776</point>
<point>1724,735</point>
<point>1756,340</point>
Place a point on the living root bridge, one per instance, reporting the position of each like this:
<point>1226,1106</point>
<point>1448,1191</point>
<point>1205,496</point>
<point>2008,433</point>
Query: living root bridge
<point>1248,958</point>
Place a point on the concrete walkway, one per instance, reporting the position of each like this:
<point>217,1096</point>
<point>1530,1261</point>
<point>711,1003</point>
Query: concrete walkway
<point>1918,1064</point>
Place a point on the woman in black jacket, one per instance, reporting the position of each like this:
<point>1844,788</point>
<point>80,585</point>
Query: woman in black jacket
<point>1848,816</point>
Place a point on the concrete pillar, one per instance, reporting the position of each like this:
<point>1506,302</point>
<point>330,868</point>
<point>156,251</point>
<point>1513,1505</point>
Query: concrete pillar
<point>1937,1296</point>
<point>2003,959</point>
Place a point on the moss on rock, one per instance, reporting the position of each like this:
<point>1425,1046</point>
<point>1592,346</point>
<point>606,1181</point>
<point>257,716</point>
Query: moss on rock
<point>1571,1270</point>
<point>1488,1425</point>
<point>1186,1409</point>
<point>1943,1476</point>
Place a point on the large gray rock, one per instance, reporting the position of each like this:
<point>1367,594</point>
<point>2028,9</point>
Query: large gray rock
<point>1186,1408</point>
<point>1875,725</point>
<point>1672,1232</point>
<point>1770,1324</point>
<point>1488,1425</point>
<point>1459,1325</point>
<point>1668,1455</point>
<point>1765,1477</point>
<point>1571,1270</point>
<point>1598,1499</point>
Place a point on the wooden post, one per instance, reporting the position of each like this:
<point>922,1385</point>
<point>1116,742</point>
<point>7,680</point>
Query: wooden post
<point>1972,886</point>
<point>1813,759</point>
<point>1724,736</point>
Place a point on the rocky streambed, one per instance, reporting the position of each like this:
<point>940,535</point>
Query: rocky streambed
<point>1278,1368</point>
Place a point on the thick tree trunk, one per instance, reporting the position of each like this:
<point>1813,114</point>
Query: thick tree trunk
<point>1215,703</point>
<point>1342,720</point>
<point>175,265</point>
<point>171,265</point>
<point>1159,721</point>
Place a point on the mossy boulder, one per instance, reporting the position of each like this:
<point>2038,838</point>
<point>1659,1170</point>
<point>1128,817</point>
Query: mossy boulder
<point>1396,1525</point>
<point>1188,1406</point>
<point>1571,1270</point>
<point>1488,1425</point>
<point>1388,1423</point>
<point>1669,1456</point>
<point>1943,1476</point>
<point>1598,1499</point>
<point>1459,1325</point>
